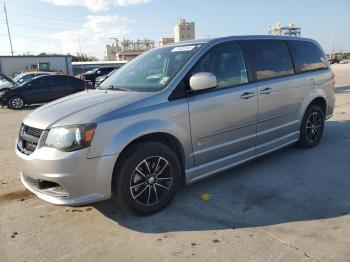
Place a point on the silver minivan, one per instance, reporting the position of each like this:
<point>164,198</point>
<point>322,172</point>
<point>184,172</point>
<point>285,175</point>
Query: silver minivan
<point>175,115</point>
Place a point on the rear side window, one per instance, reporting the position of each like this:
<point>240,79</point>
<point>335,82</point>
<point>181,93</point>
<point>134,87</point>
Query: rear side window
<point>310,56</point>
<point>226,62</point>
<point>75,82</point>
<point>270,59</point>
<point>59,80</point>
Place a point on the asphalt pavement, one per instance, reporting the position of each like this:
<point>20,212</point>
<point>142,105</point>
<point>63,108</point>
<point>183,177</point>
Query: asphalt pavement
<point>291,205</point>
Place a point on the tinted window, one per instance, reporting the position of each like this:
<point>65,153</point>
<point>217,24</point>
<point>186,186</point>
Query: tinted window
<point>226,62</point>
<point>40,82</point>
<point>75,82</point>
<point>270,59</point>
<point>309,56</point>
<point>59,80</point>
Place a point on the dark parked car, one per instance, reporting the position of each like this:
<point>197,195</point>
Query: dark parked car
<point>7,82</point>
<point>100,79</point>
<point>96,72</point>
<point>40,90</point>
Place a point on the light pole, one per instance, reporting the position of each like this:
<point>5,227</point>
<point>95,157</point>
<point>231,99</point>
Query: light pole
<point>8,28</point>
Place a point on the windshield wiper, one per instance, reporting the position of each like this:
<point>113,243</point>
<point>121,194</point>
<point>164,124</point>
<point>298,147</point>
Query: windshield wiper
<point>112,87</point>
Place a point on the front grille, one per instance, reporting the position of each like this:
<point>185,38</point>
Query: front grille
<point>28,139</point>
<point>33,131</point>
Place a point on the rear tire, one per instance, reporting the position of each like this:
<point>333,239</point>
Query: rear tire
<point>312,126</point>
<point>16,103</point>
<point>148,177</point>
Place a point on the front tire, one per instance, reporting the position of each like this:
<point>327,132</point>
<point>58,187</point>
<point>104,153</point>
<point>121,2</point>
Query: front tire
<point>16,103</point>
<point>148,177</point>
<point>312,126</point>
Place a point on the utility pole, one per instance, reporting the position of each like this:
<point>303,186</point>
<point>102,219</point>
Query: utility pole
<point>79,46</point>
<point>331,43</point>
<point>8,28</point>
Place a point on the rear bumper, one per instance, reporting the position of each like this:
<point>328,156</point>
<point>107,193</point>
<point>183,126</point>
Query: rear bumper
<point>330,106</point>
<point>80,180</point>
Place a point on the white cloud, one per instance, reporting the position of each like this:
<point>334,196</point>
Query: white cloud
<point>96,5</point>
<point>93,35</point>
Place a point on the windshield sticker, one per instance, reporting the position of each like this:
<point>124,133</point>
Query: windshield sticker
<point>163,80</point>
<point>183,48</point>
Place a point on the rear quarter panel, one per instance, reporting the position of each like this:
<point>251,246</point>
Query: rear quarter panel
<point>320,87</point>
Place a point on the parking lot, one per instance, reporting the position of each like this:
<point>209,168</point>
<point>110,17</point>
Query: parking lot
<point>291,205</point>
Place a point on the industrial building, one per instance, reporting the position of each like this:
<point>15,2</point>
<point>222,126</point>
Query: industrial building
<point>127,49</point>
<point>13,65</point>
<point>290,30</point>
<point>184,30</point>
<point>166,41</point>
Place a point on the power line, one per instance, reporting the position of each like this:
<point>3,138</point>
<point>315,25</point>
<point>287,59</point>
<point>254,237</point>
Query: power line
<point>226,27</point>
<point>81,22</point>
<point>33,26</point>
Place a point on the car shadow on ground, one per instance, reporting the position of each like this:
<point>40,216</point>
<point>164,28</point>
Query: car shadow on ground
<point>289,185</point>
<point>343,89</point>
<point>26,108</point>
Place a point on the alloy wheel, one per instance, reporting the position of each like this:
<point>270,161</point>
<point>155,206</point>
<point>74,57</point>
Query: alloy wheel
<point>151,181</point>
<point>313,127</point>
<point>17,103</point>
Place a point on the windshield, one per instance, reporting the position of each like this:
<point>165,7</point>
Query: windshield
<point>151,71</point>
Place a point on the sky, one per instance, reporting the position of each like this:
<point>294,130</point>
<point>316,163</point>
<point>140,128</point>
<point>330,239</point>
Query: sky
<point>56,26</point>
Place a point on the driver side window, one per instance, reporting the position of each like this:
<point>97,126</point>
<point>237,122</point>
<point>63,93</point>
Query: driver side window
<point>226,62</point>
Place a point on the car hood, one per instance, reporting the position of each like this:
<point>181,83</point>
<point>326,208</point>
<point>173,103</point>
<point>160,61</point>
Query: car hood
<point>10,81</point>
<point>5,84</point>
<point>83,107</point>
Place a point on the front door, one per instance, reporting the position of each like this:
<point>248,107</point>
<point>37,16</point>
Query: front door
<point>38,90</point>
<point>223,120</point>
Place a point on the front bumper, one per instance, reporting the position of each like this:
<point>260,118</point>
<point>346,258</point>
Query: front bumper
<point>81,180</point>
<point>3,101</point>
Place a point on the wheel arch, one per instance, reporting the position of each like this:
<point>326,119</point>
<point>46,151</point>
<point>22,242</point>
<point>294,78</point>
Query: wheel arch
<point>163,137</point>
<point>321,102</point>
<point>317,97</point>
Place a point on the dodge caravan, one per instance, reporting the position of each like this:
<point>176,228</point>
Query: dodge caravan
<point>176,115</point>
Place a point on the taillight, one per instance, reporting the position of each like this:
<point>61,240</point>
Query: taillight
<point>333,79</point>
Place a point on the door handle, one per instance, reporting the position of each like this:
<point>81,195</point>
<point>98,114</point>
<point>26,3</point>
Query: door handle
<point>247,95</point>
<point>266,91</point>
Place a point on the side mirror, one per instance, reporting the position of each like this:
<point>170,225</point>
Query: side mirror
<point>203,81</point>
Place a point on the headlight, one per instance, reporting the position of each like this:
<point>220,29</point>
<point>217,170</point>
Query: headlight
<point>70,138</point>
